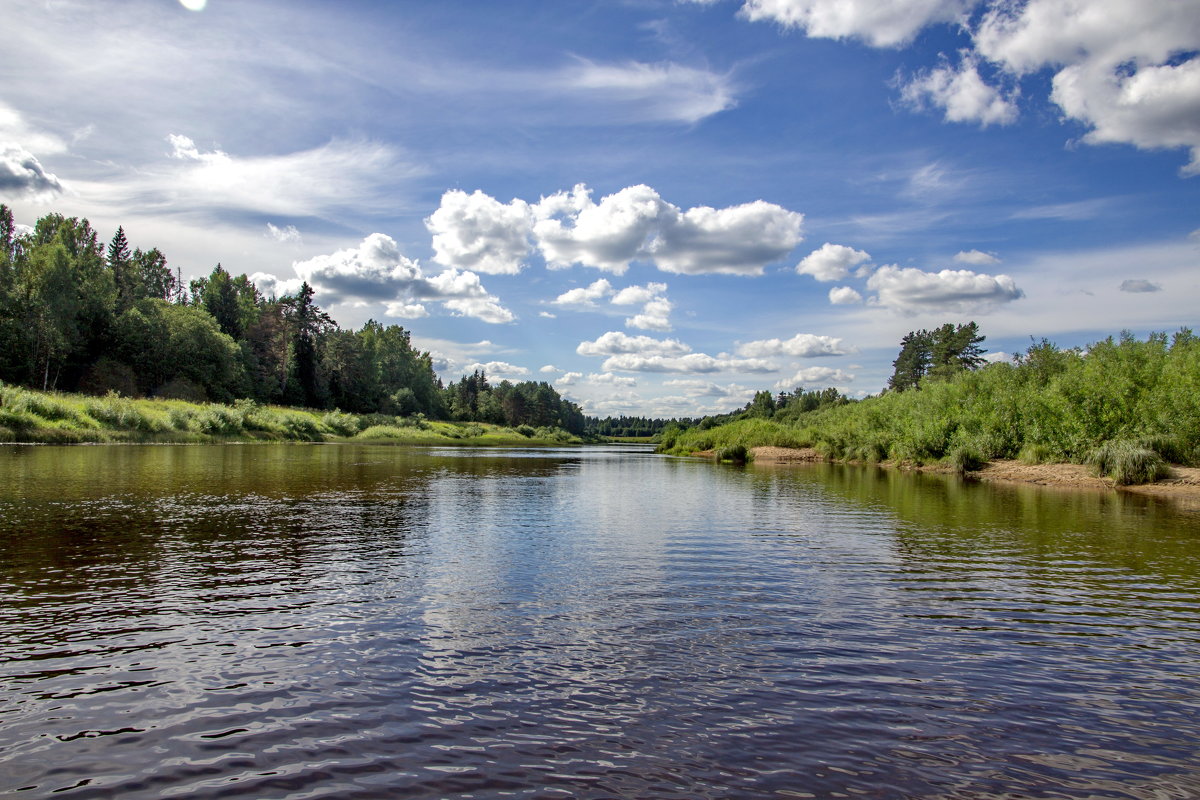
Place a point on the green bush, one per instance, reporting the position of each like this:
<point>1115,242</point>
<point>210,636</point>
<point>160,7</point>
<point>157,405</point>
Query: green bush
<point>341,423</point>
<point>298,425</point>
<point>121,413</point>
<point>1036,454</point>
<point>527,431</point>
<point>734,454</point>
<point>966,458</point>
<point>1127,463</point>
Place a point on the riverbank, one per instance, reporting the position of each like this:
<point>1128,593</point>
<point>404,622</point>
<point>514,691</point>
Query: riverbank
<point>1181,484</point>
<point>32,417</point>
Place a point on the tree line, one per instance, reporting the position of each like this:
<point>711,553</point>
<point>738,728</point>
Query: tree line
<point>77,315</point>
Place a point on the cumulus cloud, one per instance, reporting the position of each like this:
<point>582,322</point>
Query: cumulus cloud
<point>478,232</point>
<point>831,262</point>
<point>815,375</point>
<point>844,296</point>
<point>910,290</point>
<point>616,343</point>
<point>607,378</point>
<point>23,176</point>
<point>376,272</point>
<point>1129,70</point>
<point>802,345</point>
<point>1138,285</point>
<point>655,316</point>
<point>701,388</point>
<point>569,378</point>
<point>976,258</point>
<point>881,24</point>
<point>499,369</point>
<point>547,369</point>
<point>636,224</point>
<point>962,94</point>
<point>284,235</point>
<point>547,315</point>
<point>585,295</point>
<point>692,363</point>
<point>632,295</point>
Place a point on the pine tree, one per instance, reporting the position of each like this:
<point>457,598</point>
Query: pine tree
<point>122,271</point>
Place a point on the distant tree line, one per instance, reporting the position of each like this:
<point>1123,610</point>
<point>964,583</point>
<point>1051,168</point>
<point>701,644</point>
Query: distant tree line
<point>624,426</point>
<point>76,315</point>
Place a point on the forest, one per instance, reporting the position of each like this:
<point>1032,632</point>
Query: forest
<point>77,315</point>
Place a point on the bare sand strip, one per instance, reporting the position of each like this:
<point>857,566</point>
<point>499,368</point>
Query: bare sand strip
<point>1183,484</point>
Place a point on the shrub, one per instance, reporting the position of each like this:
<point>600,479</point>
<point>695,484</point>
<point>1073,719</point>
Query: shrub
<point>734,454</point>
<point>526,430</point>
<point>341,423</point>
<point>1127,463</point>
<point>120,412</point>
<point>218,421</point>
<point>300,426</point>
<point>383,432</point>
<point>965,458</point>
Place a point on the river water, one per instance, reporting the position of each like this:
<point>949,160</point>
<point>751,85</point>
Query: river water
<point>342,621</point>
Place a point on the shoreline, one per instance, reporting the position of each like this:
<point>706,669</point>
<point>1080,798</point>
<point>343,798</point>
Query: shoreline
<point>1182,485</point>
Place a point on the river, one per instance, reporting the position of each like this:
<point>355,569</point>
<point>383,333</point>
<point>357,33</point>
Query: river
<point>340,621</point>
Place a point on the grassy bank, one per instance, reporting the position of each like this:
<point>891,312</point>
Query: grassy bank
<point>1124,406</point>
<point>59,418</point>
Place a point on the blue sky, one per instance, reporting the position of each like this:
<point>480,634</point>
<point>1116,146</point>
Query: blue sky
<point>659,207</point>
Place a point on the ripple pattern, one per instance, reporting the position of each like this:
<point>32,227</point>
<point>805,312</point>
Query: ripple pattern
<point>372,622</point>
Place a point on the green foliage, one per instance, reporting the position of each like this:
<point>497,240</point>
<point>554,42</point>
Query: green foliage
<point>341,423</point>
<point>734,454</point>
<point>965,458</point>
<point>1127,463</point>
<point>121,413</point>
<point>1049,405</point>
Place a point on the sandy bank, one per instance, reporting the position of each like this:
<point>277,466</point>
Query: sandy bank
<point>1183,484</point>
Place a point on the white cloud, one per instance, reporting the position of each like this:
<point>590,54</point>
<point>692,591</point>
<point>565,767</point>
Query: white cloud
<point>699,388</point>
<point>23,176</point>
<point>547,315</point>
<point>1127,69</point>
<point>666,91</point>
<point>284,235</point>
<point>809,376</point>
<point>547,369</point>
<point>740,240</point>
<point>692,363</point>
<point>844,296</point>
<point>499,369</point>
<point>1138,285</point>
<point>335,176</point>
<point>633,295</point>
<point>584,295</point>
<point>376,272</point>
<point>617,343</point>
<point>568,378</point>
<point>976,258</point>
<point>405,310</point>
<point>655,316</point>
<point>883,24</point>
<point>637,224</point>
<point>909,290</point>
<point>802,345</point>
<point>831,262</point>
<point>478,232</point>
<point>997,357</point>
<point>607,378</point>
<point>962,94</point>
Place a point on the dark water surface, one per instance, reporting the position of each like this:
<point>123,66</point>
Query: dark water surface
<point>378,622</point>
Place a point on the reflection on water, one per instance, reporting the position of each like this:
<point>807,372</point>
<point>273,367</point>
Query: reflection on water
<point>345,621</point>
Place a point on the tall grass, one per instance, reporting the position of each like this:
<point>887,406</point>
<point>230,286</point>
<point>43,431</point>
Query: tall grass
<point>31,416</point>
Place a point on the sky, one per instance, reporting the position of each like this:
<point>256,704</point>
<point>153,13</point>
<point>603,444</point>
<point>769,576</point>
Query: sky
<point>658,207</point>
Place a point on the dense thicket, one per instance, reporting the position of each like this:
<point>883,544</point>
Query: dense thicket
<point>76,315</point>
<point>1049,405</point>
